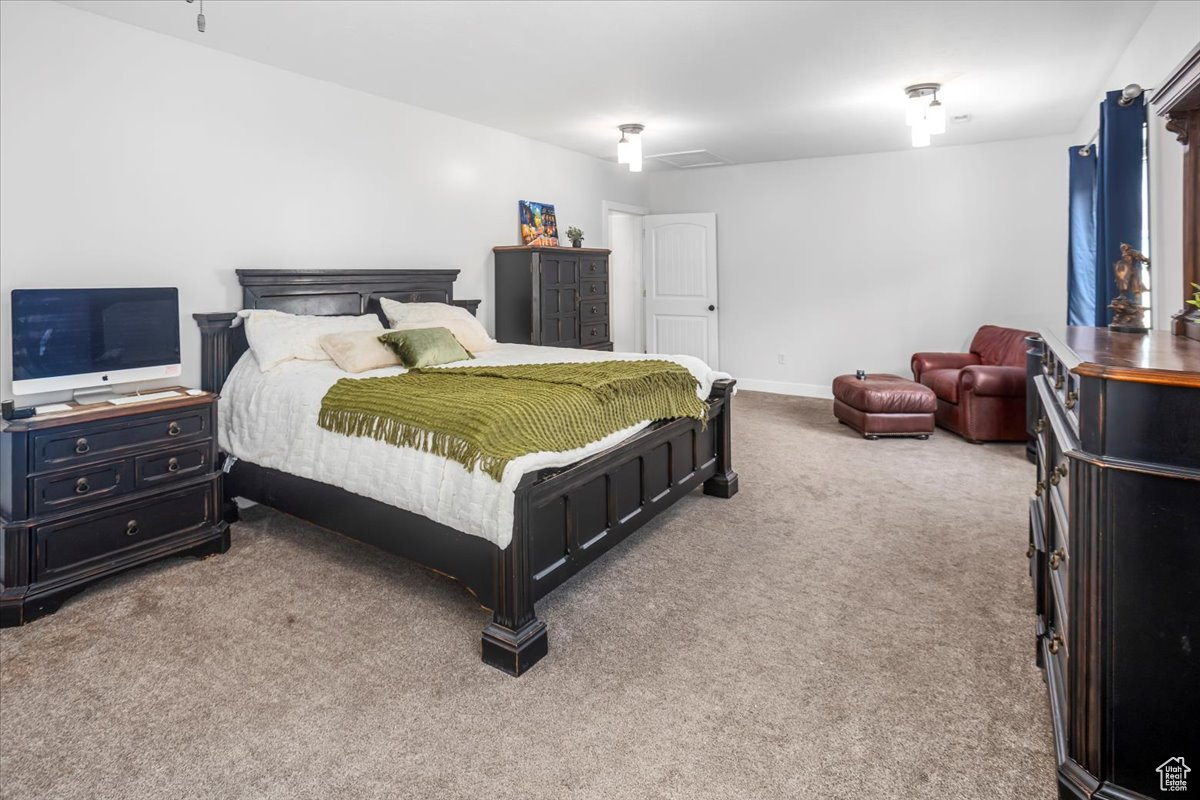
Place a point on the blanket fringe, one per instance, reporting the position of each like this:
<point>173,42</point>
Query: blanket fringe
<point>401,434</point>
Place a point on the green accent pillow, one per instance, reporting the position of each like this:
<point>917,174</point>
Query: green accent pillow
<point>425,347</point>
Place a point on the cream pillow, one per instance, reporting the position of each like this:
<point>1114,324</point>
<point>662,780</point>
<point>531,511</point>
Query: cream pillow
<point>275,337</point>
<point>462,323</point>
<point>359,351</point>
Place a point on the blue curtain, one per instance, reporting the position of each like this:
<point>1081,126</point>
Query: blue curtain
<point>1081,235</point>
<point>1116,178</point>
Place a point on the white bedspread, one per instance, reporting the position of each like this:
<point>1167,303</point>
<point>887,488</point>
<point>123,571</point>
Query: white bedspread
<point>270,419</point>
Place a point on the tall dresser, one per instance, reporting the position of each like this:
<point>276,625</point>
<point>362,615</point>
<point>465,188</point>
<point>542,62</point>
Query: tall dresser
<point>553,296</point>
<point>1114,549</point>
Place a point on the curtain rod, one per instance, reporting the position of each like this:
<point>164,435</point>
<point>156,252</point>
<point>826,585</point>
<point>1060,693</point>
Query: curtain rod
<point>1128,95</point>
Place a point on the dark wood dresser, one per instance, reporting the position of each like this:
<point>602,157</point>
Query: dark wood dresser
<point>1114,548</point>
<point>553,296</point>
<point>89,493</point>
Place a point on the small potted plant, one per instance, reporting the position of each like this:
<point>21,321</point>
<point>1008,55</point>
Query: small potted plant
<point>576,236</point>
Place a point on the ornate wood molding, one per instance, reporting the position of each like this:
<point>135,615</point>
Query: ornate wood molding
<point>1179,101</point>
<point>1178,126</point>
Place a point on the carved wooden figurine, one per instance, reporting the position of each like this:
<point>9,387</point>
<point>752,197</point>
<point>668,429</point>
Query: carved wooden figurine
<point>1129,315</point>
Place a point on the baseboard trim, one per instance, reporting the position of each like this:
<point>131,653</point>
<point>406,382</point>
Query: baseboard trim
<point>784,387</point>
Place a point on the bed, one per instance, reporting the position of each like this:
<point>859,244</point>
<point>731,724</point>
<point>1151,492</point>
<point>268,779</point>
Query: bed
<point>563,516</point>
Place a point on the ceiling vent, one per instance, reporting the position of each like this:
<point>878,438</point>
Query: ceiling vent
<point>687,159</point>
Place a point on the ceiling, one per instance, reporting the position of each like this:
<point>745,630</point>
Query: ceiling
<point>748,81</point>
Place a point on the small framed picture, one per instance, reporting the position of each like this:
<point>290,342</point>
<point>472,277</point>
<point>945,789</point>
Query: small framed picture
<point>538,224</point>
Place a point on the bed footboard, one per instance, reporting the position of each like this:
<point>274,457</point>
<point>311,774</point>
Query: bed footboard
<point>565,520</point>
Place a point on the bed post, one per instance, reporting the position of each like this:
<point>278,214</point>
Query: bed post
<point>217,355</point>
<point>516,639</point>
<point>725,482</point>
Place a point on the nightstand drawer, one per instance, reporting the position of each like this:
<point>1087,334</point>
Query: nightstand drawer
<point>61,448</point>
<point>172,465</point>
<point>80,486</point>
<point>74,544</point>
<point>591,332</point>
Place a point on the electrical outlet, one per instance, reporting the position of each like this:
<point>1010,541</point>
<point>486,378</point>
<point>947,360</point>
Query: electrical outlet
<point>782,358</point>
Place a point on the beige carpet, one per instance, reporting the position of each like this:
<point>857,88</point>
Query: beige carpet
<point>856,623</point>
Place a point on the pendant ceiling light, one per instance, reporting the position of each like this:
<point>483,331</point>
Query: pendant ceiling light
<point>200,21</point>
<point>924,113</point>
<point>629,146</point>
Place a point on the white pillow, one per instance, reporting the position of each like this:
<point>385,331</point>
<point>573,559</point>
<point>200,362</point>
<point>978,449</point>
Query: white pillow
<point>276,337</point>
<point>462,323</point>
<point>359,351</point>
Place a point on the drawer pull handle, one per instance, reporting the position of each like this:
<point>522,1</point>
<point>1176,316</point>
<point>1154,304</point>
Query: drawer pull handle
<point>1041,425</point>
<point>173,465</point>
<point>131,528</point>
<point>1057,557</point>
<point>173,429</point>
<point>1029,553</point>
<point>592,267</point>
<point>1072,399</point>
<point>595,309</point>
<point>1062,470</point>
<point>593,331</point>
<point>1041,487</point>
<point>1058,381</point>
<point>1055,478</point>
<point>1055,644</point>
<point>81,445</point>
<point>82,486</point>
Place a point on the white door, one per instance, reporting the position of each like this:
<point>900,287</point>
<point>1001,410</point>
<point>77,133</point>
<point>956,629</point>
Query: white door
<point>680,263</point>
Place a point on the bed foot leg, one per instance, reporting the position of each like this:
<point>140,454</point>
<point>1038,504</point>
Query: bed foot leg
<point>516,651</point>
<point>724,485</point>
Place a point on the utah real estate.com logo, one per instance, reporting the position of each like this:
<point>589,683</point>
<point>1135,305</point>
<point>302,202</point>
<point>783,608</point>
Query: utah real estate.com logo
<point>1172,775</point>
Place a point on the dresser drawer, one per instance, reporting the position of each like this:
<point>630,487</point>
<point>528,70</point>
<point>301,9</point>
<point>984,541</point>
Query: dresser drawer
<point>592,332</point>
<point>593,288</point>
<point>80,486</point>
<point>76,543</point>
<point>62,448</point>
<point>172,465</point>
<point>593,268</point>
<point>594,309</point>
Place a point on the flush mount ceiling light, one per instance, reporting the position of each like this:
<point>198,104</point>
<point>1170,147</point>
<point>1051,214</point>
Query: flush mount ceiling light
<point>925,114</point>
<point>629,146</point>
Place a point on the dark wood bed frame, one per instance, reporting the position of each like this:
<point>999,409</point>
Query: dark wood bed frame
<point>564,518</point>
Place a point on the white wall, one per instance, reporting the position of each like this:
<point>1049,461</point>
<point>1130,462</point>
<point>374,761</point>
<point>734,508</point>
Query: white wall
<point>859,261</point>
<point>1168,34</point>
<point>132,158</point>
<point>625,281</point>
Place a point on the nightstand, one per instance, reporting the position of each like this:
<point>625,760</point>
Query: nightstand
<point>100,489</point>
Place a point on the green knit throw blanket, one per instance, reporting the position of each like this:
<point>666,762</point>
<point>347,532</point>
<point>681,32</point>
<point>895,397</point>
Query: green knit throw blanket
<point>487,416</point>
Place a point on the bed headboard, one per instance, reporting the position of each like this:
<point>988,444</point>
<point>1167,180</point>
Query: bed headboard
<point>316,292</point>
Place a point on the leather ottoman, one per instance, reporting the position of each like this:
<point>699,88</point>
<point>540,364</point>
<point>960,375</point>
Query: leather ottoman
<point>884,405</point>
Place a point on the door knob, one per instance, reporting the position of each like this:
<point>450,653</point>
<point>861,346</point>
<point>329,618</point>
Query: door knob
<point>712,308</point>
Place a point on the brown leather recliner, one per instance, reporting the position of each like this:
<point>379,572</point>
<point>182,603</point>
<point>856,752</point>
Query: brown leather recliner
<point>980,394</point>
